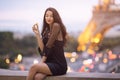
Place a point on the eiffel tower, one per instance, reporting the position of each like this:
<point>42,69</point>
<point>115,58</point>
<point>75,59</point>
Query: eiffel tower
<point>105,16</point>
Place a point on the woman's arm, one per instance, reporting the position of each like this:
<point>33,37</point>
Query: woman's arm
<point>41,45</point>
<point>54,33</point>
<point>39,40</point>
<point>38,36</point>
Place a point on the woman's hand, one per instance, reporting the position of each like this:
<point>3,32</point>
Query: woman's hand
<point>35,28</point>
<point>38,36</point>
<point>43,59</point>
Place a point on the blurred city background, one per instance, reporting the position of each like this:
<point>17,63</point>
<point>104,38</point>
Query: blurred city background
<point>93,27</point>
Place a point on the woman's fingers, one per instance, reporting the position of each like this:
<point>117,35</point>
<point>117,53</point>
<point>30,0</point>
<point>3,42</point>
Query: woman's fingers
<point>35,28</point>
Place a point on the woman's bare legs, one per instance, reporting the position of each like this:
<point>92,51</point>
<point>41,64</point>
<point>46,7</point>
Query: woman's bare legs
<point>38,68</point>
<point>39,76</point>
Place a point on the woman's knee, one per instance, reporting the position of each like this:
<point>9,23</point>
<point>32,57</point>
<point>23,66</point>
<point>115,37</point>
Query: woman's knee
<point>39,76</point>
<point>33,67</point>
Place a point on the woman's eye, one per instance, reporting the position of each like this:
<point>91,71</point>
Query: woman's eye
<point>48,16</point>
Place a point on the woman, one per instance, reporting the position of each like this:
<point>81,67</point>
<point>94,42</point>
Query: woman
<point>51,45</point>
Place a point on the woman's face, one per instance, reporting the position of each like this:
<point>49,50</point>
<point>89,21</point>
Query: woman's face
<point>49,17</point>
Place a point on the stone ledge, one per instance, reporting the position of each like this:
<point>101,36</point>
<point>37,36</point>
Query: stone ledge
<point>21,75</point>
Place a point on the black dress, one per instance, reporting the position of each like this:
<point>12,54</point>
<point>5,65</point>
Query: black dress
<point>55,54</point>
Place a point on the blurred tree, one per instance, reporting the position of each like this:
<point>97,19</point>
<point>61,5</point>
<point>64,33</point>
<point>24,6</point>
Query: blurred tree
<point>109,43</point>
<point>27,45</point>
<point>71,45</point>
<point>6,42</point>
<point>3,64</point>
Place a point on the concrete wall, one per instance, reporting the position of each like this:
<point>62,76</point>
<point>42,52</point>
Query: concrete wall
<point>21,75</point>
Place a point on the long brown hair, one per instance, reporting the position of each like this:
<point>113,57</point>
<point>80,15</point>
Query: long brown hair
<point>57,19</point>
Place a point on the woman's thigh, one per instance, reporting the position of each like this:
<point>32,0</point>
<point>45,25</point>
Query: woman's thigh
<point>42,68</point>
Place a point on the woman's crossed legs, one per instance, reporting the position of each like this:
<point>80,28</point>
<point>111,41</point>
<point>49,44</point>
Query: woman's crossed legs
<point>38,71</point>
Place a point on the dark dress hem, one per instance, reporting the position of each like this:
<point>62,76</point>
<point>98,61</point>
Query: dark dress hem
<point>56,69</point>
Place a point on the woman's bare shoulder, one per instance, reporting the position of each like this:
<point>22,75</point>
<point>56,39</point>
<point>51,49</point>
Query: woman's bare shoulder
<point>56,25</point>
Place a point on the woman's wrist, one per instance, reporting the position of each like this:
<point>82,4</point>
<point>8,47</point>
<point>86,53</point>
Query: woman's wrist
<point>43,59</point>
<point>38,35</point>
